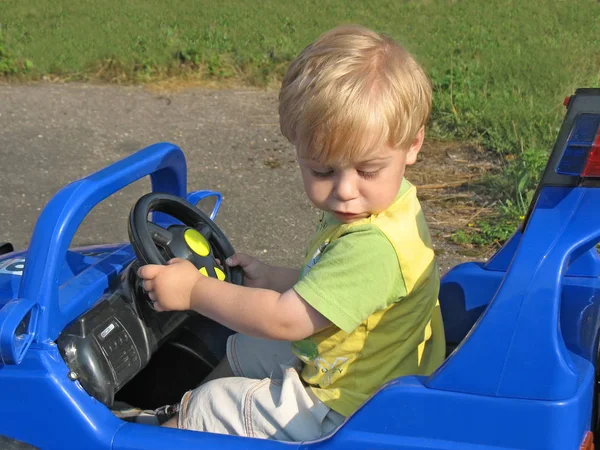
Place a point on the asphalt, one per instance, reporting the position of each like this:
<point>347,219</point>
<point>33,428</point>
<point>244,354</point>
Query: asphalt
<point>52,134</point>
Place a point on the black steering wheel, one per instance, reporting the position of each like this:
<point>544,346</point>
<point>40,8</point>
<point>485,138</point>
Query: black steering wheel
<point>199,239</point>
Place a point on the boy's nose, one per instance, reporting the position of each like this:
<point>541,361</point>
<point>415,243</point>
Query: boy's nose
<point>345,187</point>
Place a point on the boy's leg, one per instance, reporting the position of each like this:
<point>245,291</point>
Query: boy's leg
<point>258,358</point>
<point>249,357</point>
<point>252,357</point>
<point>222,370</point>
<point>282,409</point>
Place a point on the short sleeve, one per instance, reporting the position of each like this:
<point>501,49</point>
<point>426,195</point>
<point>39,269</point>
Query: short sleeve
<point>356,275</point>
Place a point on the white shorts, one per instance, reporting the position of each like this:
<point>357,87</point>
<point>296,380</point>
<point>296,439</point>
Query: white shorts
<point>265,399</point>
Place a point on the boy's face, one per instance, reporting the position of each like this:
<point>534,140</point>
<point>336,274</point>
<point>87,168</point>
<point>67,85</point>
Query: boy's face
<point>362,188</point>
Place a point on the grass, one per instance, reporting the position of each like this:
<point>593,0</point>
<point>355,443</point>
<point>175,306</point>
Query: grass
<point>500,68</point>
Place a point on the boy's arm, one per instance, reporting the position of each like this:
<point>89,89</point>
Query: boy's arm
<point>257,312</point>
<point>253,311</point>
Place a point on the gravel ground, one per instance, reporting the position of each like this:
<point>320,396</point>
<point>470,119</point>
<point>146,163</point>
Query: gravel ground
<point>51,134</point>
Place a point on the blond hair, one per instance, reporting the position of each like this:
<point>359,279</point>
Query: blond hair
<point>351,91</point>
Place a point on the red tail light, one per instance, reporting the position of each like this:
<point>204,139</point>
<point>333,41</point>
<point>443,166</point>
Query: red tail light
<point>592,168</point>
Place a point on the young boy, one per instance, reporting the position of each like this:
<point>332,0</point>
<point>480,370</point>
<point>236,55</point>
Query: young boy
<point>313,345</point>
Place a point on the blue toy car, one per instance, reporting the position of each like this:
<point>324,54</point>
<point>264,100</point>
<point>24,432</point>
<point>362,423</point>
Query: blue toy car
<point>77,332</point>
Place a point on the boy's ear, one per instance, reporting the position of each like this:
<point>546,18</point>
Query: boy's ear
<point>415,147</point>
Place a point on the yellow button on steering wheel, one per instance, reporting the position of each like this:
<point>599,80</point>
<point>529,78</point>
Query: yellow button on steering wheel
<point>196,242</point>
<point>200,246</point>
<point>219,272</point>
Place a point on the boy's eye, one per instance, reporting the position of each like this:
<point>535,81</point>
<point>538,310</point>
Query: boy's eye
<point>368,174</point>
<point>321,173</point>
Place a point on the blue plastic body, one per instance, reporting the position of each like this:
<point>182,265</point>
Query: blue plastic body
<point>525,325</point>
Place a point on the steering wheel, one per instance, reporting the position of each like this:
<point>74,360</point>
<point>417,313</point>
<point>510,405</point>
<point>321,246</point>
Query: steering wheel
<point>199,239</point>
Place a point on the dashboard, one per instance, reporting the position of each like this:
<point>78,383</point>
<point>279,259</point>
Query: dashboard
<point>112,342</point>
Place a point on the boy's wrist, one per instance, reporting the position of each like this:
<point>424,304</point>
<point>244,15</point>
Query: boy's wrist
<point>196,293</point>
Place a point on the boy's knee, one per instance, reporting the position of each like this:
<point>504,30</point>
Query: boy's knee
<point>214,406</point>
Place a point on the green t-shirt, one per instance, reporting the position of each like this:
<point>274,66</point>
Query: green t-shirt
<point>377,281</point>
<point>357,275</point>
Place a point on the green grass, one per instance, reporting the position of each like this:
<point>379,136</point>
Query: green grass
<point>500,68</point>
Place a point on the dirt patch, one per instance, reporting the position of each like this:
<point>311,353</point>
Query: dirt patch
<point>445,176</point>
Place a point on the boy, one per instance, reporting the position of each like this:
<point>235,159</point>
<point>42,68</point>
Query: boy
<point>313,345</point>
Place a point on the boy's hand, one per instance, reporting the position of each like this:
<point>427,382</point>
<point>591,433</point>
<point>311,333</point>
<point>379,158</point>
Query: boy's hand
<point>170,287</point>
<point>255,271</point>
